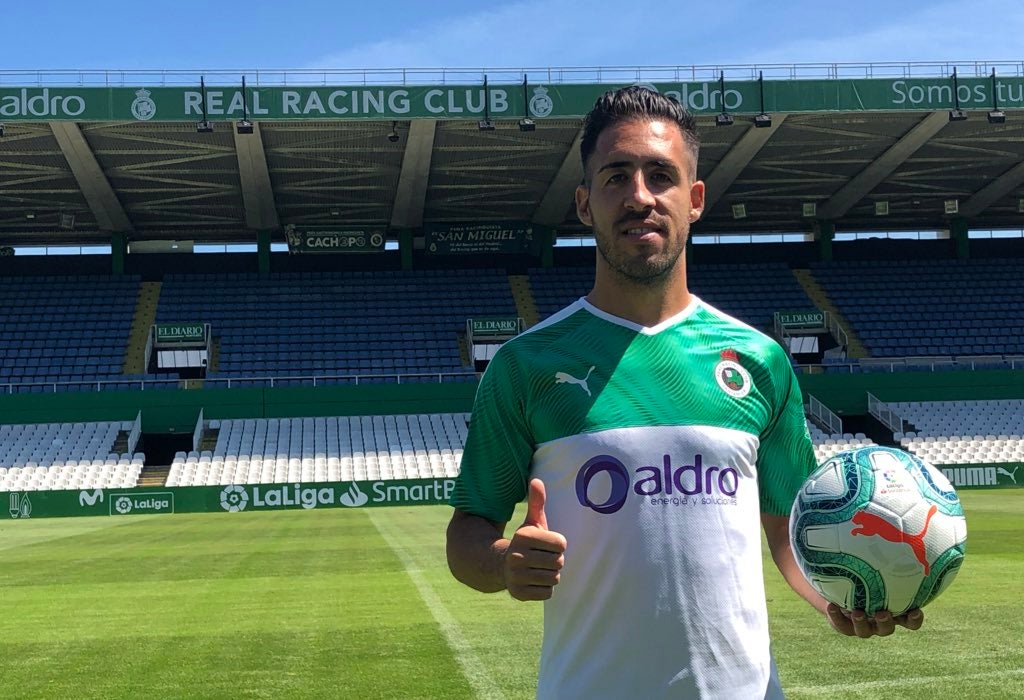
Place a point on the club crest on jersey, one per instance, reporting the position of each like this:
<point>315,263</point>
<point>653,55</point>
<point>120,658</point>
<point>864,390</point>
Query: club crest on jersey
<point>731,376</point>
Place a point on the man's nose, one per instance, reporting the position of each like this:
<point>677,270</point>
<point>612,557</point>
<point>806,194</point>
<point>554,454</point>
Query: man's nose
<point>639,196</point>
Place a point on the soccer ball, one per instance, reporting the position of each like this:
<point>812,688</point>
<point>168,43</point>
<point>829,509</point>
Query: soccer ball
<point>877,528</point>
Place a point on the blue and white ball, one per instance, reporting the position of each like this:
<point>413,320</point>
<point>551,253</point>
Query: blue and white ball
<point>877,528</point>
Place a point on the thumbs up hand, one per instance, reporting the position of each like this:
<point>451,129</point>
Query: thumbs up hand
<point>535,555</point>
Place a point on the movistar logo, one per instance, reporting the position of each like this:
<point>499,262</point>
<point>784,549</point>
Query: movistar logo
<point>694,483</point>
<point>90,499</point>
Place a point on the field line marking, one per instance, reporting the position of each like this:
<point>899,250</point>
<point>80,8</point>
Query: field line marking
<point>918,680</point>
<point>472,667</point>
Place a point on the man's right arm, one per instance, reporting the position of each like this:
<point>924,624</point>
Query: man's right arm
<point>527,565</point>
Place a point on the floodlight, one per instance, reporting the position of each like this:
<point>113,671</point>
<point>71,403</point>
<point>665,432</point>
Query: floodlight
<point>810,210</point>
<point>244,126</point>
<point>956,114</point>
<point>881,208</point>
<point>723,119</point>
<point>739,211</point>
<point>30,215</point>
<point>762,120</point>
<point>997,116</point>
<point>486,124</point>
<point>526,123</point>
<point>951,206</point>
<point>204,126</point>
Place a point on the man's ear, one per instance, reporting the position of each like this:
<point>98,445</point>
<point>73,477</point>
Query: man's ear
<point>696,200</point>
<point>583,204</point>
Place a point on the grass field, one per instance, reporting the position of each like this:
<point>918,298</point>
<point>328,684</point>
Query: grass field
<point>359,604</point>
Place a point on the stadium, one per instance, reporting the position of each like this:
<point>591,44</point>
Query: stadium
<point>227,294</point>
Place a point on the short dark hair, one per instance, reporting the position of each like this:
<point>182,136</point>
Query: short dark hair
<point>635,103</point>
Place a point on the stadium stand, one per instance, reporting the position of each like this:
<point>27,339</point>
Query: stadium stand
<point>904,308</point>
<point>64,330</point>
<point>338,323</point>
<point>752,292</point>
<point>827,445</point>
<point>282,450</point>
<point>963,432</point>
<point>51,456</point>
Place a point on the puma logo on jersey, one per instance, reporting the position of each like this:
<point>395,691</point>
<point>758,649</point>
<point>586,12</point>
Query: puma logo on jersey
<point>871,524</point>
<point>565,378</point>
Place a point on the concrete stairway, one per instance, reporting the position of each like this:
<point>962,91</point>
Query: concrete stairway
<point>820,297</point>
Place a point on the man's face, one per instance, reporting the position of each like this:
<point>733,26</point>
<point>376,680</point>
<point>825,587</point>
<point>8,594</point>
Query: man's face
<point>640,197</point>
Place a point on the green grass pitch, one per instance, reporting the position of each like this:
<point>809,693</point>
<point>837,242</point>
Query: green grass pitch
<point>359,604</point>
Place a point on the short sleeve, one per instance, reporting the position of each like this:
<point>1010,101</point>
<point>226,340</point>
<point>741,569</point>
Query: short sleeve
<point>786,456</point>
<point>499,447</point>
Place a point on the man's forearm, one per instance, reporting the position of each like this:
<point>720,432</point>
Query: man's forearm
<point>476,552</point>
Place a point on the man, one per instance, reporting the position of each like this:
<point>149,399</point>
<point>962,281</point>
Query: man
<point>652,436</point>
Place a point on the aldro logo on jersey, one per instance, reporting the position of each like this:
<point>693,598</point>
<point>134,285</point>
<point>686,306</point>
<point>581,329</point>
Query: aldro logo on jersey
<point>732,377</point>
<point>692,484</point>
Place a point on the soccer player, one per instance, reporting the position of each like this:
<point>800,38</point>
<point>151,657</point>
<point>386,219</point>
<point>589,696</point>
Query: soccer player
<point>652,436</point>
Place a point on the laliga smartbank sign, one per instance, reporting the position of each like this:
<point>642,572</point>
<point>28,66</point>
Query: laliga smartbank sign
<point>238,497</point>
<point>542,100</point>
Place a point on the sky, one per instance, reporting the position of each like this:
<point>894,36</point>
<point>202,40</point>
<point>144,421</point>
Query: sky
<point>204,35</point>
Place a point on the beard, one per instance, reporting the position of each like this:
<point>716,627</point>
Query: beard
<point>643,269</point>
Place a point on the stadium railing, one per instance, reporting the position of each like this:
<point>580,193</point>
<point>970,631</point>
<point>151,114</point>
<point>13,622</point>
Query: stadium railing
<point>235,382</point>
<point>508,74</point>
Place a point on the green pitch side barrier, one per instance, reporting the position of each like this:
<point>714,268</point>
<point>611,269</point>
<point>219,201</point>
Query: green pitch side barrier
<point>233,498</point>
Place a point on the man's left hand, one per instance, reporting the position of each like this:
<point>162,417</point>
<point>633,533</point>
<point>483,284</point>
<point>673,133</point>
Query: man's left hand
<point>857,623</point>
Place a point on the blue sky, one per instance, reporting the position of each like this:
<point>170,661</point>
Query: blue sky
<point>191,34</point>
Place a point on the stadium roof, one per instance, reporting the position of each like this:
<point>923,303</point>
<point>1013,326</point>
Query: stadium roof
<point>85,154</point>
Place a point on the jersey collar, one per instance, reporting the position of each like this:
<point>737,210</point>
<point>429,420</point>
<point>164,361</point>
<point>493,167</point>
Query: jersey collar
<point>636,327</point>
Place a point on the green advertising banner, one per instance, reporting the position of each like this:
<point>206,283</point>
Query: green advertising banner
<point>490,237</point>
<point>983,475</point>
<point>339,241</point>
<point>170,333</point>
<point>234,498</point>
<point>468,101</point>
<point>486,327</point>
<point>802,320</point>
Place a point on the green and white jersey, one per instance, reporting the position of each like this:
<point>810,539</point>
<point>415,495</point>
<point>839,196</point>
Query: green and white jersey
<point>659,448</point>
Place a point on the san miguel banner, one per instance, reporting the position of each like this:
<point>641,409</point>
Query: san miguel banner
<point>337,241</point>
<point>233,498</point>
<point>488,237</point>
<point>146,103</point>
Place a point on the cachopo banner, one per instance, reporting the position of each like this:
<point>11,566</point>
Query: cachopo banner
<point>233,498</point>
